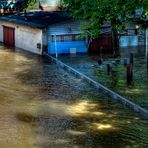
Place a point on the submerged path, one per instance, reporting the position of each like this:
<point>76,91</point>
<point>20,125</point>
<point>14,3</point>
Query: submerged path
<point>42,106</point>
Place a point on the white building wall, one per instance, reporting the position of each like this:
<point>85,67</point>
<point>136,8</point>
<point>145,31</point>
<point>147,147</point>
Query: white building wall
<point>26,38</point>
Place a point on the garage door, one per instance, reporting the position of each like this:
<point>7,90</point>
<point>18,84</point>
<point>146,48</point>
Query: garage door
<point>8,36</point>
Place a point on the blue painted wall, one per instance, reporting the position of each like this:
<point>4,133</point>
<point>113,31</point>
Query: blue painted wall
<point>64,47</point>
<point>62,30</point>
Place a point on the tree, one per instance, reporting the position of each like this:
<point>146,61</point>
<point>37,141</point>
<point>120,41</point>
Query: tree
<point>8,6</point>
<point>99,12</point>
<point>24,4</point>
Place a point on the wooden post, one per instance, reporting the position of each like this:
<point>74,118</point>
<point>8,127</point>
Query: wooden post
<point>101,51</point>
<point>131,58</point>
<point>109,69</point>
<point>126,61</point>
<point>100,61</point>
<point>146,48</point>
<point>129,74</point>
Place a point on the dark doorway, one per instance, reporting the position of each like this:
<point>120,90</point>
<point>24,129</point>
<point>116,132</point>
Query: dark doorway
<point>101,44</point>
<point>9,36</point>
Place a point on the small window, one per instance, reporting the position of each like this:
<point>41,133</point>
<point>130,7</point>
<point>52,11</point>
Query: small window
<point>51,38</point>
<point>58,38</point>
<point>131,32</point>
<point>73,37</point>
<point>62,38</point>
<point>68,38</point>
<point>136,31</point>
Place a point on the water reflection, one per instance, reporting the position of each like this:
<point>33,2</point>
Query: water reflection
<point>42,106</point>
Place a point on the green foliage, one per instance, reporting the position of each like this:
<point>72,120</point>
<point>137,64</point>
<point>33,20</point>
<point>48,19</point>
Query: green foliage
<point>15,6</point>
<point>25,4</point>
<point>137,92</point>
<point>33,5</point>
<point>99,12</point>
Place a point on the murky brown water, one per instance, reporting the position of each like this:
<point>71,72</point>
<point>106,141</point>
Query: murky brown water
<point>42,106</point>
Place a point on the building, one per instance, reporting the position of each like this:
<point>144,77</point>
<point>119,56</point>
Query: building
<point>50,5</point>
<point>65,37</point>
<point>54,32</point>
<point>133,36</point>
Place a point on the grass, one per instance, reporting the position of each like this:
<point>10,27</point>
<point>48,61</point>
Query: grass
<point>137,91</point>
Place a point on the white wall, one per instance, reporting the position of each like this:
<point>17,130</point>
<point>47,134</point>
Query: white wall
<point>28,38</point>
<point>25,37</point>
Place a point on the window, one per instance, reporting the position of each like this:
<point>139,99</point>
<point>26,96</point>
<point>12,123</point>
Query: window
<point>51,38</point>
<point>58,38</point>
<point>131,32</point>
<point>66,38</point>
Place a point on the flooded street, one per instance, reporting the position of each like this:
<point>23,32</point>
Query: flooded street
<point>42,106</point>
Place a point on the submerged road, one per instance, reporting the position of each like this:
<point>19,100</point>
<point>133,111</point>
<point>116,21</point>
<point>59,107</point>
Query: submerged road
<point>42,106</point>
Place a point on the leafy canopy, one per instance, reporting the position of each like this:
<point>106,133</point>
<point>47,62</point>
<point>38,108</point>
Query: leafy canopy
<point>98,12</point>
<point>17,5</point>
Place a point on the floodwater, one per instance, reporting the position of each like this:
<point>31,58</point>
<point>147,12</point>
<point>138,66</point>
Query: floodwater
<point>42,106</point>
<point>136,92</point>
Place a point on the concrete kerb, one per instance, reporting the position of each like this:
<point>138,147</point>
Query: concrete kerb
<point>114,95</point>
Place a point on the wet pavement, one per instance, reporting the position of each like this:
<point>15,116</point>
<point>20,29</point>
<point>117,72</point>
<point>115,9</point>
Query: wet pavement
<point>42,106</point>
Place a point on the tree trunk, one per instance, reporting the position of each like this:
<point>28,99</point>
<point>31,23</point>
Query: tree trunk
<point>115,40</point>
<point>146,48</point>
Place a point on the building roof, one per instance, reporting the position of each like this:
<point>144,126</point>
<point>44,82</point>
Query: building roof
<point>37,19</point>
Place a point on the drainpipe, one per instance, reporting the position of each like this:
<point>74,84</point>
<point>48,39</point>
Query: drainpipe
<point>25,14</point>
<point>55,42</point>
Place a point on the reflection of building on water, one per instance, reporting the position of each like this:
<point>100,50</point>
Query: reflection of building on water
<point>136,50</point>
